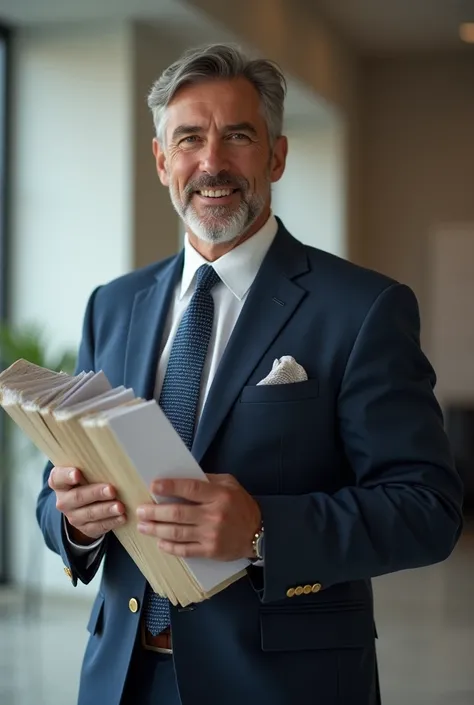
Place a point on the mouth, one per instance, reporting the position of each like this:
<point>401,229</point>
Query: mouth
<point>217,196</point>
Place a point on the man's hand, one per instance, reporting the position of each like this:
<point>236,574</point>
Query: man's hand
<point>220,523</point>
<point>90,509</point>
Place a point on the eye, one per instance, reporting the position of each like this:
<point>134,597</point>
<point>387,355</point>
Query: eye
<point>189,141</point>
<point>239,137</point>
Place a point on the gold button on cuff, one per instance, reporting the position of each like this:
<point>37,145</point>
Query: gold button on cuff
<point>307,589</point>
<point>68,572</point>
<point>316,587</point>
<point>299,590</point>
<point>133,605</point>
<point>290,592</point>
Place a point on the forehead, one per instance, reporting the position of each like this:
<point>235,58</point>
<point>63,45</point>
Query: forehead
<point>219,101</point>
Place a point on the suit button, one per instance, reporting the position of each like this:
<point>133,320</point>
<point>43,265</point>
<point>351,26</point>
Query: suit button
<point>68,572</point>
<point>299,590</point>
<point>316,587</point>
<point>133,605</point>
<point>290,592</point>
<point>307,589</point>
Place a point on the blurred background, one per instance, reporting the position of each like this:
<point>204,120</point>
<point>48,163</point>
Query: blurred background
<point>380,120</point>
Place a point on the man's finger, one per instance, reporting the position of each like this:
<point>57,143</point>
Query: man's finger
<point>180,533</point>
<point>82,495</point>
<point>221,478</point>
<point>97,529</point>
<point>192,490</point>
<point>170,513</point>
<point>184,550</point>
<point>98,512</point>
<point>63,478</point>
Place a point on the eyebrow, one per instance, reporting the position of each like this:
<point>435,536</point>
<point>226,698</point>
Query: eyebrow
<point>183,130</point>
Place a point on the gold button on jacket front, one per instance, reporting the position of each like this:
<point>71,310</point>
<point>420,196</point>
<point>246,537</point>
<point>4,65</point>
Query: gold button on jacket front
<point>133,605</point>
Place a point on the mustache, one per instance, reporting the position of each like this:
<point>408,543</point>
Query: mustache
<point>222,180</point>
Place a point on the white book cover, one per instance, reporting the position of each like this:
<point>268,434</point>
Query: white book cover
<point>157,451</point>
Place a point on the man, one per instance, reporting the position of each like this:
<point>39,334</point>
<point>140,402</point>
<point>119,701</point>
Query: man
<point>339,473</point>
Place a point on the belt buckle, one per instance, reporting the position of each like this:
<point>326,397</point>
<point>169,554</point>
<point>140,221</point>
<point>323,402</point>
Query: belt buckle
<point>148,647</point>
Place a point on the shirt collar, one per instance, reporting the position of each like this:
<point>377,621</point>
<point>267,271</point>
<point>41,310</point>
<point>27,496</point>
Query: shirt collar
<point>237,268</point>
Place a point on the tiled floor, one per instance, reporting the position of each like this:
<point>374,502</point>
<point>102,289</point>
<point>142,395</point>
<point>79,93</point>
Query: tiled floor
<point>40,657</point>
<point>425,620</point>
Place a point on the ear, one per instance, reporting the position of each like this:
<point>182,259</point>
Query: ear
<point>160,160</point>
<point>280,151</point>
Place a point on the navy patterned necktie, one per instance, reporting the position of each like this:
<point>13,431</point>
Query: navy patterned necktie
<point>180,394</point>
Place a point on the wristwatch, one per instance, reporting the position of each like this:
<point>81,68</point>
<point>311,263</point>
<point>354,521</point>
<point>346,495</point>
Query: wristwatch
<point>257,544</point>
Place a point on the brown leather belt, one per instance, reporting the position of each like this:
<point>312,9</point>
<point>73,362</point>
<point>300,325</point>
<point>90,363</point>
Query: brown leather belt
<point>160,642</point>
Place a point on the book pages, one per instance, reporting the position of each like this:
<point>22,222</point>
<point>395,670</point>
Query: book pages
<point>113,437</point>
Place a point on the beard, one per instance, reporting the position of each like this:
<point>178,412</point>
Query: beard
<point>219,224</point>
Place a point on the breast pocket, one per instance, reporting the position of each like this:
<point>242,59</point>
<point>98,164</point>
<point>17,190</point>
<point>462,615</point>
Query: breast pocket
<point>277,428</point>
<point>280,393</point>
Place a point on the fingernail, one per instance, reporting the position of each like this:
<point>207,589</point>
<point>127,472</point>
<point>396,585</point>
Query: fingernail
<point>72,474</point>
<point>141,513</point>
<point>107,492</point>
<point>121,519</point>
<point>143,528</point>
<point>115,509</point>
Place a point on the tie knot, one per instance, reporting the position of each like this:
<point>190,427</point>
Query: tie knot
<point>207,278</point>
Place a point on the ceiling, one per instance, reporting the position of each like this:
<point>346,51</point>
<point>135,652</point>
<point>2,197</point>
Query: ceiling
<point>41,12</point>
<point>178,19</point>
<point>378,27</point>
<point>372,26</point>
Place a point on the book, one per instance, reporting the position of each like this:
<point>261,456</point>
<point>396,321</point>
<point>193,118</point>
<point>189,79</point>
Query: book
<point>114,437</point>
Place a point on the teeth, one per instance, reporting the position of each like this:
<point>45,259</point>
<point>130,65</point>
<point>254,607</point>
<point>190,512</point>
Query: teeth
<point>217,194</point>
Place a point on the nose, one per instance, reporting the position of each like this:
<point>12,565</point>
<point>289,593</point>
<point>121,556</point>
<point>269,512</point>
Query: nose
<point>213,158</point>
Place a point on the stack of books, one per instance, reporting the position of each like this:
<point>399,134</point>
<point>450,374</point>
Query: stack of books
<point>114,437</point>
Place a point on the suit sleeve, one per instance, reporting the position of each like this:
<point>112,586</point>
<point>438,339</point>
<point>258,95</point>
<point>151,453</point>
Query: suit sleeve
<point>50,520</point>
<point>404,507</point>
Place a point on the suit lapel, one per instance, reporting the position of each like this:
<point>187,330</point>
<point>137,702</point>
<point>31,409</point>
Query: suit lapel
<point>149,313</point>
<point>272,300</point>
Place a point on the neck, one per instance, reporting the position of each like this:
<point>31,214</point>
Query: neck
<point>212,251</point>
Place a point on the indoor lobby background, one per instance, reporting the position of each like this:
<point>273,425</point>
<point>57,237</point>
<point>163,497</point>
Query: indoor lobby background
<point>380,119</point>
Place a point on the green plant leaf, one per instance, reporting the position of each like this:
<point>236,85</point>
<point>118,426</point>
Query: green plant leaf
<point>26,342</point>
<point>29,343</point>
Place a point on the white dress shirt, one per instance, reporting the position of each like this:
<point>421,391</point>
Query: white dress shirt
<point>237,270</point>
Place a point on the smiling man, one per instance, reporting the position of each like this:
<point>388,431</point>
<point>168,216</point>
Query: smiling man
<point>298,382</point>
<point>218,157</point>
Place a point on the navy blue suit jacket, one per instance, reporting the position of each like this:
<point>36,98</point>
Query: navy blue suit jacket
<point>352,470</point>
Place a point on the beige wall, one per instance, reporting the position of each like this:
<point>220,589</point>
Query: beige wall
<point>310,196</point>
<point>451,305</point>
<point>295,37</point>
<point>417,167</point>
<point>155,223</point>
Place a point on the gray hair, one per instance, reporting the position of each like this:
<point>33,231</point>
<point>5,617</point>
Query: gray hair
<point>224,62</point>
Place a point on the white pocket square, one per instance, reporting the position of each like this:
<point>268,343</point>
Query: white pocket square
<point>285,371</point>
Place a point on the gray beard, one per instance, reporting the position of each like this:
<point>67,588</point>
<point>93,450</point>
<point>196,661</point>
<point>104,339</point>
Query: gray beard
<point>222,225</point>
